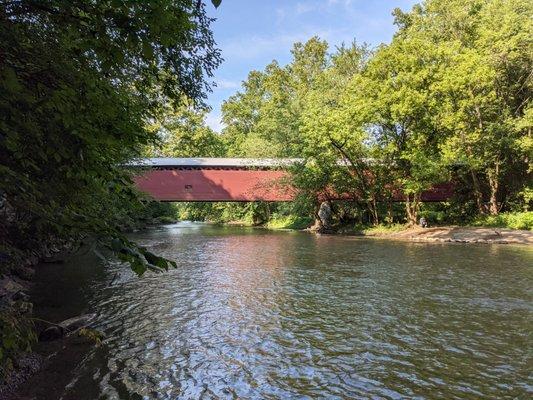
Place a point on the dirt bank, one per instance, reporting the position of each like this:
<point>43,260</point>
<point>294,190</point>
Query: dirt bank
<point>461,235</point>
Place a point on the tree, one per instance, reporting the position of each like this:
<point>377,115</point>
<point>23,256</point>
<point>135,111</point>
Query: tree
<point>264,119</point>
<point>391,100</point>
<point>183,133</point>
<point>482,89</point>
<point>240,114</point>
<point>486,92</point>
<point>78,81</point>
<point>331,134</point>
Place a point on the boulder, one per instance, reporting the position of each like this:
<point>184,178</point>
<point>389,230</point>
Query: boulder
<point>324,213</point>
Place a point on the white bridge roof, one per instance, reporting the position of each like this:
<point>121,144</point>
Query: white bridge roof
<point>213,162</point>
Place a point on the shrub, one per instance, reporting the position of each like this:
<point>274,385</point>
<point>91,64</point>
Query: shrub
<point>519,220</point>
<point>289,222</point>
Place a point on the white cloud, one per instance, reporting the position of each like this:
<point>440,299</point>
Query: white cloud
<point>302,8</point>
<point>227,84</point>
<point>270,46</point>
<point>214,121</point>
<point>255,46</point>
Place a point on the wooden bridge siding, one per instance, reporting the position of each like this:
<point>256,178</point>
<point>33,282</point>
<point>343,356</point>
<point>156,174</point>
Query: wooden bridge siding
<point>214,185</point>
<point>238,185</point>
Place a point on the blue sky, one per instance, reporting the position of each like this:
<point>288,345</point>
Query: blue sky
<point>252,33</point>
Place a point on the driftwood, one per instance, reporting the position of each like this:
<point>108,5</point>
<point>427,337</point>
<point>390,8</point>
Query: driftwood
<point>57,331</point>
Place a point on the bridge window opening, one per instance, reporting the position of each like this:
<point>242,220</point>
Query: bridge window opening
<point>188,188</point>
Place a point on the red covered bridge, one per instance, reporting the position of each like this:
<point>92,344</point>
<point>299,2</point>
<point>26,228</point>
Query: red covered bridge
<point>229,179</point>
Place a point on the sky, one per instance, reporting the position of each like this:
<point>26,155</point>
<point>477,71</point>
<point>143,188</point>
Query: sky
<point>252,33</point>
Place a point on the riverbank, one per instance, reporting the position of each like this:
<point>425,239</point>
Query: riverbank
<point>458,234</point>
<point>448,233</point>
<point>17,336</point>
<point>53,334</point>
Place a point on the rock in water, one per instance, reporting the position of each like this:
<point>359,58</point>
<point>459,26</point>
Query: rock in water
<point>324,213</point>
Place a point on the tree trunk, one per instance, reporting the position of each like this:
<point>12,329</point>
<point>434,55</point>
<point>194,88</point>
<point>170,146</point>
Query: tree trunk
<point>390,217</point>
<point>477,193</point>
<point>373,210</point>
<point>412,204</point>
<point>317,227</point>
<point>494,184</point>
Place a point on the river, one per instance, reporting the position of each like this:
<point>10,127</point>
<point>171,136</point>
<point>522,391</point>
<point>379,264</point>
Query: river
<point>257,314</point>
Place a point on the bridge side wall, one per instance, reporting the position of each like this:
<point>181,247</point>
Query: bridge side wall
<point>239,185</point>
<point>215,185</point>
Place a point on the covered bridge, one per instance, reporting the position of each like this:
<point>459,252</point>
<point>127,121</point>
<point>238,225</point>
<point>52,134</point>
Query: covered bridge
<point>230,179</point>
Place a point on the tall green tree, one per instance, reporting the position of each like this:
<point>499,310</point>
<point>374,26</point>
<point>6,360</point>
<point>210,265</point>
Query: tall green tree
<point>263,120</point>
<point>183,133</point>
<point>453,87</point>
<point>78,82</point>
<point>486,90</point>
<point>331,135</point>
<point>392,101</point>
<point>240,114</point>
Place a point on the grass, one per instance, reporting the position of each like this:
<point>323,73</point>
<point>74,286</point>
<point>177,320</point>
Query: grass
<point>288,222</point>
<point>517,220</point>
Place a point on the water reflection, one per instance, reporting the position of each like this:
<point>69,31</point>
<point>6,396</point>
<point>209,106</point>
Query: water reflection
<point>260,315</point>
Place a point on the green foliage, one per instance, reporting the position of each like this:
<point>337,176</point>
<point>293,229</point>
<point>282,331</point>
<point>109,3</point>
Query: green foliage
<point>453,88</point>
<point>289,222</point>
<point>16,336</point>
<point>91,334</point>
<point>520,220</point>
<point>433,217</point>
<point>264,119</point>
<point>159,212</point>
<point>182,132</point>
<point>270,215</point>
<point>380,229</point>
<point>78,81</point>
<point>139,258</point>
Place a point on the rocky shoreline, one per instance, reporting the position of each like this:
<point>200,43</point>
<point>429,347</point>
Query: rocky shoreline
<point>18,333</point>
<point>16,313</point>
<point>460,234</point>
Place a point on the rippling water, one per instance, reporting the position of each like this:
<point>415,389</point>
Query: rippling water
<point>253,314</point>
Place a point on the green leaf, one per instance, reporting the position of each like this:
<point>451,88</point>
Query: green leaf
<point>216,3</point>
